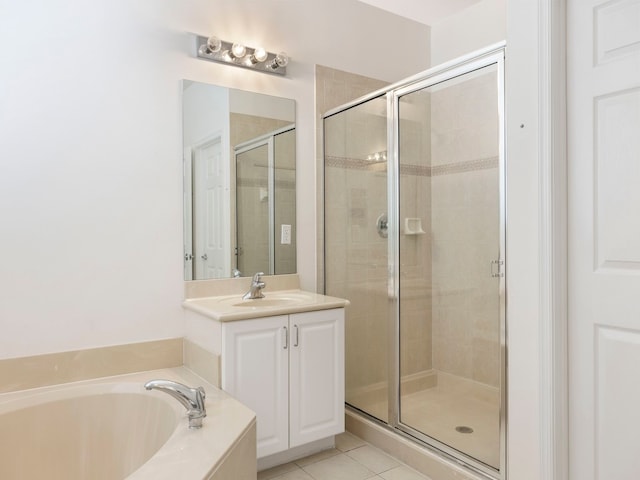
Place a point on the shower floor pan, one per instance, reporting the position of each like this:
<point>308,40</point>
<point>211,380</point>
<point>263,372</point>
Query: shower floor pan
<point>447,412</point>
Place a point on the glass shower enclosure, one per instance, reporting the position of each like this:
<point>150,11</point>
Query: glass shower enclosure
<point>414,238</point>
<point>265,207</point>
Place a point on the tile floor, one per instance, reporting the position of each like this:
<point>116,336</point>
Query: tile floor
<point>351,459</point>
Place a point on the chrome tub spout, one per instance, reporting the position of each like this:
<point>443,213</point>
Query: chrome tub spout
<point>191,398</point>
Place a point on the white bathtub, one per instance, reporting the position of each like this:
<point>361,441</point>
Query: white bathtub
<point>115,429</point>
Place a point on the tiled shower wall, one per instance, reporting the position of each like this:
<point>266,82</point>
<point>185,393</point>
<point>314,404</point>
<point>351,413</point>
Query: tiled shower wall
<point>244,128</point>
<point>449,184</point>
<point>285,201</point>
<point>465,228</point>
<point>416,355</point>
<point>355,196</point>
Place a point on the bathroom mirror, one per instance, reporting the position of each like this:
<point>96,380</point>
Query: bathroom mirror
<point>239,182</point>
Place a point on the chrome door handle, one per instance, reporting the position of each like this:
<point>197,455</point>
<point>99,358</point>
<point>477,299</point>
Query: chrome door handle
<point>204,257</point>
<point>285,339</point>
<point>295,342</point>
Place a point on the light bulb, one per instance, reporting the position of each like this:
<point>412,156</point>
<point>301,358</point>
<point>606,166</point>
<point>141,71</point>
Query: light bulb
<point>281,60</point>
<point>238,50</point>
<point>214,44</point>
<point>259,55</point>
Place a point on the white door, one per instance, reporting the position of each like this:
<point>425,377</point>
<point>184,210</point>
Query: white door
<point>212,252</point>
<point>316,379</point>
<point>255,370</point>
<point>603,68</point>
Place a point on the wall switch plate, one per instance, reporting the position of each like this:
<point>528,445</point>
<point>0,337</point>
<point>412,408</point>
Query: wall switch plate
<point>285,234</point>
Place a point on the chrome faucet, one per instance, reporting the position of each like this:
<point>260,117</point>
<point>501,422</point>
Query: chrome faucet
<point>191,398</point>
<point>255,291</point>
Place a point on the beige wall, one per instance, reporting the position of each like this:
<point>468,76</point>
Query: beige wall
<point>475,27</point>
<point>131,134</point>
<point>254,220</point>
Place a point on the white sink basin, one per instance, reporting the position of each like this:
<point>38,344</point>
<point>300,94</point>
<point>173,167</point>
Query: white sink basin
<point>233,307</point>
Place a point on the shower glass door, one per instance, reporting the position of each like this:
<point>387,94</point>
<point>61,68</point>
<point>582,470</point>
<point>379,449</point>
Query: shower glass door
<point>355,194</point>
<point>414,239</point>
<point>449,270</point>
<point>254,197</point>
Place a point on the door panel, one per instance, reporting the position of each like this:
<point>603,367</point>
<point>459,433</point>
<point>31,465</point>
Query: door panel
<point>256,371</point>
<point>449,240</point>
<point>316,375</point>
<point>253,211</point>
<point>603,76</point>
<point>355,192</point>
<point>211,210</point>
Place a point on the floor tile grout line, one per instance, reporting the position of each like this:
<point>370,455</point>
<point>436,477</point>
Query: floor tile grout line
<point>363,443</point>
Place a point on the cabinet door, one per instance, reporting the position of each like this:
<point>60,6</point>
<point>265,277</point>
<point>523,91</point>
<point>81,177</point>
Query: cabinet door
<point>316,378</point>
<point>255,359</point>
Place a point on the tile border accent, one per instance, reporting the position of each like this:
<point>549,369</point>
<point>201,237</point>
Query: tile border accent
<point>22,373</point>
<point>416,170</point>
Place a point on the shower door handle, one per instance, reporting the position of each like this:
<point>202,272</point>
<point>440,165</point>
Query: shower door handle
<point>382,225</point>
<point>497,267</point>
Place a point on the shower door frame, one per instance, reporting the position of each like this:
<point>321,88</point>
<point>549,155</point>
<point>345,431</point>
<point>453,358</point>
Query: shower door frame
<point>268,139</point>
<point>495,56</point>
<point>491,55</point>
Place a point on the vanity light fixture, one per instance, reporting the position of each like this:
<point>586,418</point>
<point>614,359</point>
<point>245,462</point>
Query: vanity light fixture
<point>217,50</point>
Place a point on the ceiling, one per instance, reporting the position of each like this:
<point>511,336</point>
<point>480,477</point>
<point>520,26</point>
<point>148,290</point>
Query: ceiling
<point>428,12</point>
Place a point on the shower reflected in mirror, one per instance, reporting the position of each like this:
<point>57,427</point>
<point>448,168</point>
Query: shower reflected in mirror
<point>239,182</point>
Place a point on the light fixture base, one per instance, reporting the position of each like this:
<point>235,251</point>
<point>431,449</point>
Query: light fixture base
<point>222,56</point>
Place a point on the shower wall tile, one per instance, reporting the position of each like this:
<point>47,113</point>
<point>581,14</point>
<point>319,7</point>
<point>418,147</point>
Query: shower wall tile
<point>255,220</point>
<point>449,181</point>
<point>335,88</point>
<point>465,229</point>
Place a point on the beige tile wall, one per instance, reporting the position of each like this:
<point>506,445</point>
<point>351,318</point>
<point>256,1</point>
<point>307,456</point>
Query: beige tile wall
<point>354,198</point>
<point>255,220</point>
<point>285,201</point>
<point>465,229</point>
<point>448,180</point>
<point>415,248</point>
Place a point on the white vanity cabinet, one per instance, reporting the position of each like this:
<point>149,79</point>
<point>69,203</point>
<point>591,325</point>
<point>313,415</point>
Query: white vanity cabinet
<point>289,369</point>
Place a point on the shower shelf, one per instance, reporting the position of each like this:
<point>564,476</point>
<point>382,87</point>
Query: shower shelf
<point>413,226</point>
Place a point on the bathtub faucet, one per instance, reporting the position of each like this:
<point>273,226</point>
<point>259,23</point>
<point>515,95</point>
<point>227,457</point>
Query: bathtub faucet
<point>191,398</point>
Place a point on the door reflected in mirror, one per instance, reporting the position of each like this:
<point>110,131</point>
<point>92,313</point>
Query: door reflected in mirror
<point>239,183</point>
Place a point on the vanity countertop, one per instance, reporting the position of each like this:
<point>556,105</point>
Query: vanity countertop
<point>280,302</point>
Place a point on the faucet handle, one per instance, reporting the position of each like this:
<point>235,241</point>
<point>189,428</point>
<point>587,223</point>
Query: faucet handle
<point>203,394</point>
<point>256,277</point>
